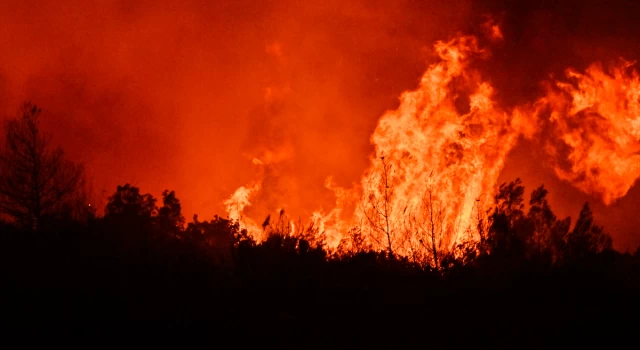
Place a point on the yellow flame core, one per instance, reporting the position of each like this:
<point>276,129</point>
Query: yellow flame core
<point>442,152</point>
<point>438,156</point>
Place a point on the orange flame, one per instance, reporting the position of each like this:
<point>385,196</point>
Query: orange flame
<point>332,224</point>
<point>438,156</point>
<point>596,116</point>
<point>236,204</point>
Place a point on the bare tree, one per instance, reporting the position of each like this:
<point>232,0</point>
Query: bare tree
<point>378,211</point>
<point>429,223</point>
<point>35,177</point>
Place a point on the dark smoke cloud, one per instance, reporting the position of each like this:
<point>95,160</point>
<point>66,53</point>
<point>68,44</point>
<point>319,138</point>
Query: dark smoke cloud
<point>184,94</point>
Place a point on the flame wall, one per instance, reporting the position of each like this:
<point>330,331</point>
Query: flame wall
<point>202,96</point>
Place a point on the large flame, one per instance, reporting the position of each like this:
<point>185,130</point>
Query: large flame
<point>596,118</point>
<point>438,156</point>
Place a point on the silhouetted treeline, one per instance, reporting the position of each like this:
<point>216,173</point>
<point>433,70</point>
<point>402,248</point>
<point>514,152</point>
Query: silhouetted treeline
<point>529,280</point>
<point>139,263</point>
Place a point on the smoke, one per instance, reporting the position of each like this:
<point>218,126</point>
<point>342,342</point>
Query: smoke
<point>184,94</point>
<point>202,97</point>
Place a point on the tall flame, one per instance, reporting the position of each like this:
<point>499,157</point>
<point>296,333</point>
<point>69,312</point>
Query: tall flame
<point>596,117</point>
<point>438,156</point>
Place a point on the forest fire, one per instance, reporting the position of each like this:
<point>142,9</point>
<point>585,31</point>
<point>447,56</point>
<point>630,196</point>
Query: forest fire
<point>286,95</point>
<point>438,156</point>
<point>322,173</point>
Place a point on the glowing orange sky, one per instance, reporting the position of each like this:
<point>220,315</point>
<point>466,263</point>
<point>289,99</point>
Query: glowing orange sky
<point>184,94</point>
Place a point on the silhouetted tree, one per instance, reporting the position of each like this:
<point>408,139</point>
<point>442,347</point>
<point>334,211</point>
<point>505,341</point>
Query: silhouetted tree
<point>378,211</point>
<point>217,236</point>
<point>541,217</point>
<point>506,232</point>
<point>428,224</point>
<point>35,178</point>
<point>128,202</point>
<point>549,235</point>
<point>558,239</point>
<point>130,215</point>
<point>169,218</point>
<point>587,238</point>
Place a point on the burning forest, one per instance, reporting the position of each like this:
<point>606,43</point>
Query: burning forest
<point>434,174</point>
<point>359,173</point>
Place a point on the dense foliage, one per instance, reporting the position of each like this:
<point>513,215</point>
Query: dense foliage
<point>535,279</point>
<point>528,280</point>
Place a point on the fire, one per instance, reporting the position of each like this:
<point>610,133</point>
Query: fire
<point>332,223</point>
<point>236,204</point>
<point>596,118</point>
<point>438,156</point>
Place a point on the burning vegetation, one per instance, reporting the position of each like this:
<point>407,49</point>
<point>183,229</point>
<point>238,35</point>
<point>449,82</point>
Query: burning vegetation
<point>431,186</point>
<point>426,246</point>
